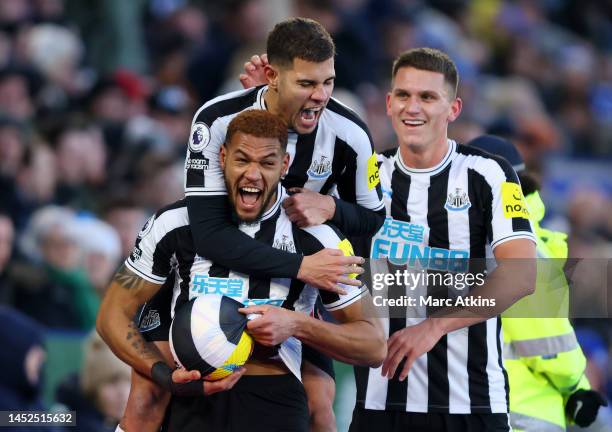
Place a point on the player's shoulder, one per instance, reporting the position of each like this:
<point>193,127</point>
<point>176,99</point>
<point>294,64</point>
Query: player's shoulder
<point>167,219</point>
<point>345,121</point>
<point>226,104</point>
<point>486,163</point>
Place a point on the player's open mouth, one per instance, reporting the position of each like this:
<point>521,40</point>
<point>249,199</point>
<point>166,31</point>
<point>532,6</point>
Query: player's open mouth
<point>309,116</point>
<point>249,196</point>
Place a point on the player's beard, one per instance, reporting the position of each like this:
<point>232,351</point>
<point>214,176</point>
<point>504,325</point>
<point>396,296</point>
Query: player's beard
<point>269,194</point>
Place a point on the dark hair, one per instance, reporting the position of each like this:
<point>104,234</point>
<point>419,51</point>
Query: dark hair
<point>259,123</point>
<point>428,59</point>
<point>301,38</point>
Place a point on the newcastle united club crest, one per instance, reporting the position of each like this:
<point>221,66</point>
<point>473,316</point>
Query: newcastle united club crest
<point>457,201</point>
<point>320,168</point>
<point>284,244</point>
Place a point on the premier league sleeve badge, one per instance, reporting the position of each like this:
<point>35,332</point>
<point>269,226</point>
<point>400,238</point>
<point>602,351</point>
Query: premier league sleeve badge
<point>200,137</point>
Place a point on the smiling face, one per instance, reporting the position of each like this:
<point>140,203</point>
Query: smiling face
<point>252,167</point>
<point>300,92</point>
<point>421,104</point>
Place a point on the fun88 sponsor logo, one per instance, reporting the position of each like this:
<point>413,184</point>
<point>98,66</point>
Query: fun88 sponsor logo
<point>402,243</point>
<point>202,284</point>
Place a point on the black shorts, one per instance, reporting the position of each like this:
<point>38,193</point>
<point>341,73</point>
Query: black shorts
<point>262,403</point>
<point>365,420</point>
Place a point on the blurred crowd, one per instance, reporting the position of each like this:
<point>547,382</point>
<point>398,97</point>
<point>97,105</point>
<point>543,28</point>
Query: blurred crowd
<point>97,97</point>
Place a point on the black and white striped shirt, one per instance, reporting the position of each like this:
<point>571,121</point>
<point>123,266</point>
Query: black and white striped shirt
<point>337,158</point>
<point>165,244</point>
<point>454,210</point>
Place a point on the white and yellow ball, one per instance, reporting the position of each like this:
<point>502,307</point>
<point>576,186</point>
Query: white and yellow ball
<point>208,334</point>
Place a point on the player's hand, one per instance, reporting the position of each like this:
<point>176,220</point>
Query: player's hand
<point>273,327</point>
<point>306,208</point>
<point>254,73</point>
<point>410,343</point>
<point>189,383</point>
<point>211,387</point>
<point>328,268</point>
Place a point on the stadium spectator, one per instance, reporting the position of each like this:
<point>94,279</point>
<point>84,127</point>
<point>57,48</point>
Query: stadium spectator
<point>101,251</point>
<point>99,392</point>
<point>126,218</point>
<point>7,237</point>
<point>21,363</point>
<point>52,286</point>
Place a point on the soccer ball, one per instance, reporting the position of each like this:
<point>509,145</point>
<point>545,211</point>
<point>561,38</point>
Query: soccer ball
<point>208,334</point>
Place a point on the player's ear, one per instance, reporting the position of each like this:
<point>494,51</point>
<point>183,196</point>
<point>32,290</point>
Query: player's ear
<point>222,155</point>
<point>272,76</point>
<point>285,164</point>
<point>455,109</point>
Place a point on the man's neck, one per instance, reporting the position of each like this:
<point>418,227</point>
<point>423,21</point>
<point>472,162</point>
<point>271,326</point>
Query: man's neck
<point>423,158</point>
<point>271,100</point>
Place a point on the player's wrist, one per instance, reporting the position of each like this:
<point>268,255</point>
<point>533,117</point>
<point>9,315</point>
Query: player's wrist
<point>300,325</point>
<point>437,326</point>
<point>161,374</point>
<point>330,207</point>
<point>304,269</point>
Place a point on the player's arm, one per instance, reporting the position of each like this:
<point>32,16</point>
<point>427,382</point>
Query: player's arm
<point>361,210</point>
<point>115,324</point>
<point>358,339</point>
<point>355,220</point>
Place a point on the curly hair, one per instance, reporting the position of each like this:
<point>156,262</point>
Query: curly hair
<point>258,123</point>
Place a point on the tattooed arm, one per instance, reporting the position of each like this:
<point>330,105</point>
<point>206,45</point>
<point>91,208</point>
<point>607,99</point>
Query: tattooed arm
<point>125,294</point>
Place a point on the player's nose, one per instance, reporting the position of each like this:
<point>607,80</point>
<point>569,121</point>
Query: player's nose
<point>320,94</point>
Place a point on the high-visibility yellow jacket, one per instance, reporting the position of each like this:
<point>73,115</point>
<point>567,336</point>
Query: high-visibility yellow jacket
<point>545,364</point>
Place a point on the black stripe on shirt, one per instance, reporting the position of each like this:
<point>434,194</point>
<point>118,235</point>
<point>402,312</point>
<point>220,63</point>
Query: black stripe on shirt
<point>397,392</point>
<point>227,107</point>
<point>500,362</point>
<point>260,287</point>
<point>437,358</point>
<point>344,170</point>
<point>304,148</point>
<point>477,368</point>
<point>479,191</point>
